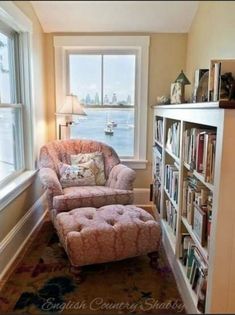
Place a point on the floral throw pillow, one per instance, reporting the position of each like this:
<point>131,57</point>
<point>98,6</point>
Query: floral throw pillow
<point>97,168</point>
<point>77,175</point>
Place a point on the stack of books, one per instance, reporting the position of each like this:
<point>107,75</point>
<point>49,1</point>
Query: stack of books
<point>171,216</point>
<point>173,139</point>
<point>196,269</point>
<point>172,181</point>
<point>159,131</point>
<point>199,151</point>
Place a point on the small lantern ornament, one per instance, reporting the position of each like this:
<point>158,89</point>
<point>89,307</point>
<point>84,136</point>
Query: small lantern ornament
<point>178,89</point>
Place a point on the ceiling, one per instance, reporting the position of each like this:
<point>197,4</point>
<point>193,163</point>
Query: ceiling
<point>115,16</point>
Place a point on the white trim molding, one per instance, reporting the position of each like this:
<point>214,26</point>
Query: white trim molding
<point>139,44</point>
<point>14,17</point>
<point>12,245</point>
<point>15,187</point>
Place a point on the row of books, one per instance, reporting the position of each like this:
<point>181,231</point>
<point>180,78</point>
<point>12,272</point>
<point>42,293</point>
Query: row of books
<point>199,151</point>
<point>171,216</point>
<point>196,269</point>
<point>172,181</point>
<point>159,130</point>
<point>157,176</point>
<point>157,162</point>
<point>197,207</point>
<point>157,194</point>
<point>173,139</point>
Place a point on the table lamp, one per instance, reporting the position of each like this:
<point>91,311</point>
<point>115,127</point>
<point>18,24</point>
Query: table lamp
<point>70,108</point>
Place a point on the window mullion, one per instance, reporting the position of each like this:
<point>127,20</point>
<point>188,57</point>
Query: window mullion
<point>102,79</point>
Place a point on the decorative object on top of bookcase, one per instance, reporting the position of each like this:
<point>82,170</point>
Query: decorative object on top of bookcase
<point>221,80</point>
<point>163,100</point>
<point>200,90</point>
<point>176,93</point>
<point>227,86</point>
<point>178,89</point>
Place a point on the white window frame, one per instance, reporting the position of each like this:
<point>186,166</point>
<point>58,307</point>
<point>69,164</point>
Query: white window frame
<point>15,19</point>
<point>139,44</point>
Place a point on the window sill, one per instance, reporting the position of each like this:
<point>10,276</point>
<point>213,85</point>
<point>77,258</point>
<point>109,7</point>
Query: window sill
<point>16,187</point>
<point>135,164</point>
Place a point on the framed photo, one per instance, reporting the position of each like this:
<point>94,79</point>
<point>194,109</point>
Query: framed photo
<point>199,225</point>
<point>176,93</point>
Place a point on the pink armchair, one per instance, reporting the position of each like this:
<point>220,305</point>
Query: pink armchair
<point>118,188</point>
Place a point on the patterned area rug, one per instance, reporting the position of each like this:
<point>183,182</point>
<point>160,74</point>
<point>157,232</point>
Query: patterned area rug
<point>43,283</point>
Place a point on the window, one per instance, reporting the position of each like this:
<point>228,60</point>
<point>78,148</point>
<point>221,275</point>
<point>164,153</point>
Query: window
<point>11,137</point>
<point>105,85</point>
<point>17,158</point>
<point>109,74</point>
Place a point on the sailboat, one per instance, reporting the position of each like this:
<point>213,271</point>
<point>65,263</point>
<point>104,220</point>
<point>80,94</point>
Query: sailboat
<point>109,129</point>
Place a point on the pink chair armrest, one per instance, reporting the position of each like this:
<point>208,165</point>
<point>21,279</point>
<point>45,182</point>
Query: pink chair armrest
<point>50,182</point>
<point>121,177</point>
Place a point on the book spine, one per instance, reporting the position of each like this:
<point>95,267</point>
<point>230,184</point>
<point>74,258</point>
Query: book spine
<point>217,67</point>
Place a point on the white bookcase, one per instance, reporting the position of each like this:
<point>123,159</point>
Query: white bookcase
<point>220,296</point>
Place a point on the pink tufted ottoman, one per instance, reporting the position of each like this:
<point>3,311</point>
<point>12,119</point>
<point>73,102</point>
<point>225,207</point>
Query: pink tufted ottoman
<point>113,232</point>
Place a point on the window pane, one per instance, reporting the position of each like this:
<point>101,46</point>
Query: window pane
<point>119,79</point>
<point>5,82</point>
<point>99,125</point>
<point>85,78</point>
<point>10,142</point>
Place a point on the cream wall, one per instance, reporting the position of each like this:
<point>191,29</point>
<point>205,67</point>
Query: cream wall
<point>211,35</point>
<point>166,58</point>
<point>10,215</point>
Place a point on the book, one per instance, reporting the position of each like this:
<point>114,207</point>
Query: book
<point>190,258</point>
<point>216,87</point>
<point>173,138</point>
<point>199,152</point>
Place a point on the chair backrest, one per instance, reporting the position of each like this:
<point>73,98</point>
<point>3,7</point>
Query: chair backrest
<point>58,151</point>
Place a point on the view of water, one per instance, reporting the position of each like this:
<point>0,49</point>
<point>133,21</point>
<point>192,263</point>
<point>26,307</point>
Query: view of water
<point>92,127</point>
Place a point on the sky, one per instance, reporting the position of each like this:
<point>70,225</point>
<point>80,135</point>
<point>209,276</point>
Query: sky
<point>119,75</point>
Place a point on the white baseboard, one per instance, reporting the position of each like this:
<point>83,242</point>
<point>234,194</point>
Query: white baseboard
<point>141,196</point>
<point>15,240</point>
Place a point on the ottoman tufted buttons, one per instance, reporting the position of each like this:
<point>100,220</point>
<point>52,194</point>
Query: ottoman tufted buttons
<point>79,228</point>
<point>142,218</point>
<point>89,217</point>
<point>111,222</point>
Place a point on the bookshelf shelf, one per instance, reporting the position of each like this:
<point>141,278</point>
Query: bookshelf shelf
<point>170,235</point>
<point>174,157</point>
<point>158,143</point>
<point>203,250</point>
<point>190,290</point>
<point>213,203</point>
<point>171,200</point>
<point>200,177</point>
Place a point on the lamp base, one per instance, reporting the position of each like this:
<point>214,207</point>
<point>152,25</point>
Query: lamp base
<point>68,123</point>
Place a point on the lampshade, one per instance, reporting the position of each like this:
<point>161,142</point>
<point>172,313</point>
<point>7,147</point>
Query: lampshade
<point>72,106</point>
<point>182,79</point>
